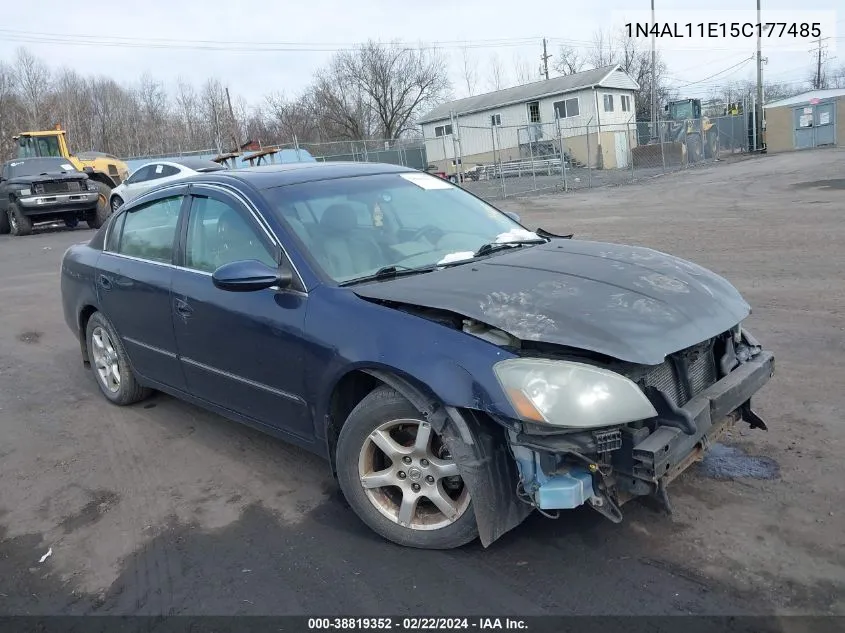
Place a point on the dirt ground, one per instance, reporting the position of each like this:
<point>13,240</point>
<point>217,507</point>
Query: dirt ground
<point>163,508</point>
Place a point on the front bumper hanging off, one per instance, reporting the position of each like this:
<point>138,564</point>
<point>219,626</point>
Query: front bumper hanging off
<point>638,461</point>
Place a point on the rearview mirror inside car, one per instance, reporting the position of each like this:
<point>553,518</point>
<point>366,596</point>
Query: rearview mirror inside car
<point>250,275</point>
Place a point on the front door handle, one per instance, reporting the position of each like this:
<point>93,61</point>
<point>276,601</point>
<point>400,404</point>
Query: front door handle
<point>183,309</point>
<point>105,282</point>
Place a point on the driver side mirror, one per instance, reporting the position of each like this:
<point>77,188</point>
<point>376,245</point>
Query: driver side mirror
<point>250,275</point>
<point>512,215</point>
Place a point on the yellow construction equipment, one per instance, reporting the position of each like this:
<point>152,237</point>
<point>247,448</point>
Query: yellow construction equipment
<point>106,170</point>
<point>686,136</point>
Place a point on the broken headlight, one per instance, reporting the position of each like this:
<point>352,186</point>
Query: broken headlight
<point>569,394</point>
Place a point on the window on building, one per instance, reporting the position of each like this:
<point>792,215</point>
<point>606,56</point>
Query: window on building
<point>443,130</point>
<point>626,103</point>
<point>608,103</point>
<point>533,111</point>
<point>567,108</point>
<point>495,119</point>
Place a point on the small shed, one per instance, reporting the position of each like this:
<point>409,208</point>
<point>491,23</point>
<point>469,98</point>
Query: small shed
<point>811,119</point>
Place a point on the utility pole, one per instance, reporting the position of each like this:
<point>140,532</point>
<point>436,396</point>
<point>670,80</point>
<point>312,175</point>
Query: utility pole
<point>653,79</point>
<point>234,123</point>
<point>545,59</point>
<point>758,107</point>
<point>817,84</point>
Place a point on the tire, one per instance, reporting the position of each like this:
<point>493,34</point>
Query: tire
<point>71,221</point>
<point>711,149</point>
<point>115,203</point>
<point>693,149</point>
<point>386,415</point>
<point>4,224</point>
<point>97,217</point>
<point>19,224</point>
<point>108,359</point>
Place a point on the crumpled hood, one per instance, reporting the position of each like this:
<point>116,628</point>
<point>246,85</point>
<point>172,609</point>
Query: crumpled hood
<point>631,303</point>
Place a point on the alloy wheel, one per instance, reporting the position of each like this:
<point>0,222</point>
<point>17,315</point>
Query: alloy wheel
<point>106,359</point>
<point>409,476</point>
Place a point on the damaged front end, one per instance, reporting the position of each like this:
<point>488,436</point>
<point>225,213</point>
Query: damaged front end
<point>603,435</point>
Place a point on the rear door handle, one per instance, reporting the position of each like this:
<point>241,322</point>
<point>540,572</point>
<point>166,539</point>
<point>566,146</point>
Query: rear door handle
<point>105,282</point>
<point>183,309</point>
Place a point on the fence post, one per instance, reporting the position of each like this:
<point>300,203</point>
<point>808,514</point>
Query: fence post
<point>531,152</point>
<point>630,148</point>
<point>661,130</point>
<point>562,154</point>
<point>589,158</point>
<point>296,145</point>
<point>501,166</point>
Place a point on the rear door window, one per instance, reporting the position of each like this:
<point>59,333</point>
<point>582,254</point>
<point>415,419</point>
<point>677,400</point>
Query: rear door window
<point>149,231</point>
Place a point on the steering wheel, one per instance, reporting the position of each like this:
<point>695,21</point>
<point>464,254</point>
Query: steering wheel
<point>428,230</point>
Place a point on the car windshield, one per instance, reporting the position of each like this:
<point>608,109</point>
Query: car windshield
<point>354,227</point>
<point>36,166</point>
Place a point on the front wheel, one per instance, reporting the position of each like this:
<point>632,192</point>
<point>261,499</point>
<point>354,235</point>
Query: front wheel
<point>71,221</point>
<point>116,203</point>
<point>19,224</point>
<point>108,358</point>
<point>399,477</point>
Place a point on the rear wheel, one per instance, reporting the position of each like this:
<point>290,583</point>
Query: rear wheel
<point>19,224</point>
<point>108,358</point>
<point>71,221</point>
<point>97,217</point>
<point>398,476</point>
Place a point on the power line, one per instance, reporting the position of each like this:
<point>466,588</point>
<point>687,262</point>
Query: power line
<point>721,72</point>
<point>39,37</point>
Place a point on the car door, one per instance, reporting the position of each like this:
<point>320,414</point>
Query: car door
<point>134,274</point>
<point>239,350</point>
<point>134,185</point>
<point>155,175</point>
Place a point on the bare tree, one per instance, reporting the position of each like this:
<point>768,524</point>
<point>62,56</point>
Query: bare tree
<point>570,60</point>
<point>604,50</point>
<point>187,105</point>
<point>469,72</point>
<point>496,74</point>
<point>521,70</point>
<point>398,83</point>
<point>33,81</point>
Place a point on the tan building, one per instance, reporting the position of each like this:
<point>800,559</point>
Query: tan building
<point>811,119</point>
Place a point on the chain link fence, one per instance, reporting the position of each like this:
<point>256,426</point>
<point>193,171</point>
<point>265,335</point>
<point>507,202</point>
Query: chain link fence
<point>501,161</point>
<point>408,152</point>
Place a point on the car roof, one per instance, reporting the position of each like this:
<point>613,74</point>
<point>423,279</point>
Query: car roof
<point>269,176</point>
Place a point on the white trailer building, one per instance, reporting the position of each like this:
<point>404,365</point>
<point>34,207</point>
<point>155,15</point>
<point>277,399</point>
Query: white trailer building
<point>591,114</point>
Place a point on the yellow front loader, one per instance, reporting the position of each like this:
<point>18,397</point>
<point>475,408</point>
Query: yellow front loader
<point>106,170</point>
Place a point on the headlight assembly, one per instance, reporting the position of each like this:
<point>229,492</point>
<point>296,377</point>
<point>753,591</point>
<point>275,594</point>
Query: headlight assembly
<point>569,394</point>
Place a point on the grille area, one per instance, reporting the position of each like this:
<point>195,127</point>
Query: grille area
<point>701,369</point>
<point>62,186</point>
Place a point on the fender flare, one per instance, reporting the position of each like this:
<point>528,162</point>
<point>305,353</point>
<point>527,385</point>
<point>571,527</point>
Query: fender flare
<point>479,448</point>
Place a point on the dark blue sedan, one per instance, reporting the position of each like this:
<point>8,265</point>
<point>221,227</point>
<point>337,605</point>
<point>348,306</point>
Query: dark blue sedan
<point>457,370</point>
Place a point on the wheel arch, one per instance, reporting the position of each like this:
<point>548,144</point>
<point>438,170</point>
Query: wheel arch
<point>477,444</point>
<point>85,314</point>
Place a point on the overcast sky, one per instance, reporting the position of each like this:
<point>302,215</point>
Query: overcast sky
<point>329,24</point>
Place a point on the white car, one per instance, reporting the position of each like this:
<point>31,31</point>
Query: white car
<point>157,173</point>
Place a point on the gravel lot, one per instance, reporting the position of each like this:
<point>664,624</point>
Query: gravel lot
<point>163,508</point>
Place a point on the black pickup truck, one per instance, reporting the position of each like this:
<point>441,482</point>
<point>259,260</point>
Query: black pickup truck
<point>35,190</point>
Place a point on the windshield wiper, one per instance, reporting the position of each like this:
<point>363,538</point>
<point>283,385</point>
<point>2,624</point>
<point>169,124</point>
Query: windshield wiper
<point>492,247</point>
<point>389,272</point>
